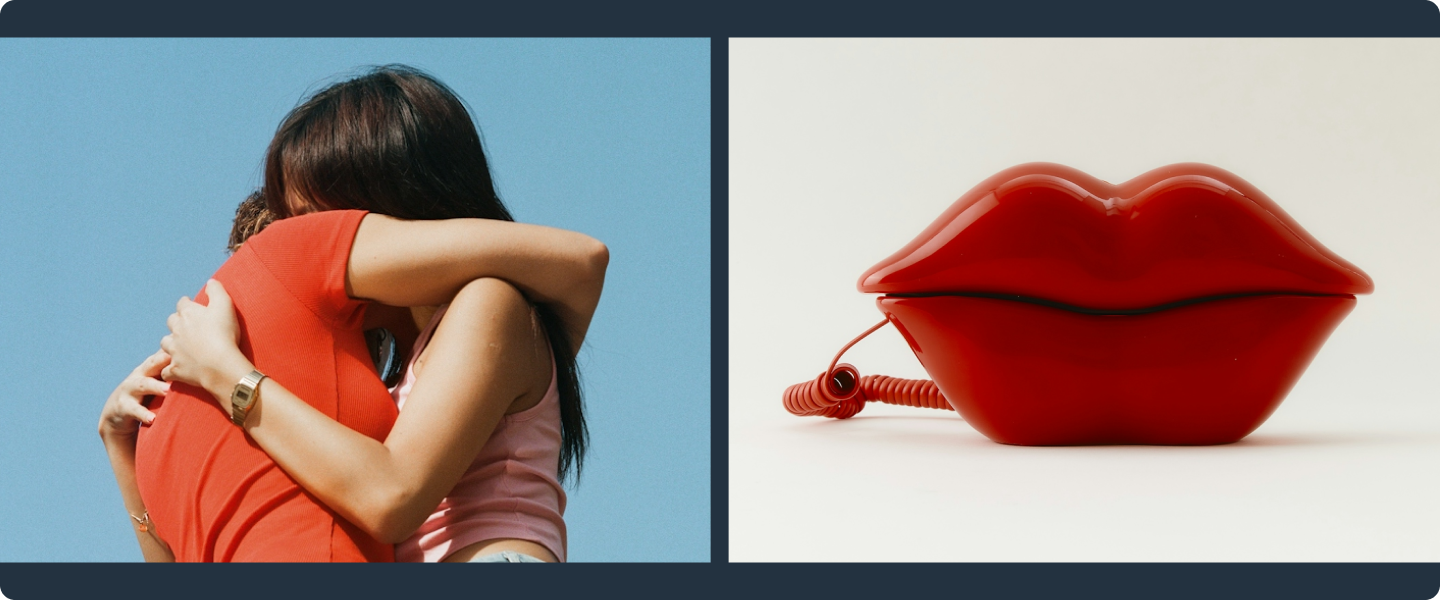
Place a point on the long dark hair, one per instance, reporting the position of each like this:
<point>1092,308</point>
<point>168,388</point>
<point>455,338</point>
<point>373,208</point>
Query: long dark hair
<point>398,142</point>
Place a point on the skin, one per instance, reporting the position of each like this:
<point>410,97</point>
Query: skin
<point>488,358</point>
<point>119,424</point>
<point>424,263</point>
<point>493,359</point>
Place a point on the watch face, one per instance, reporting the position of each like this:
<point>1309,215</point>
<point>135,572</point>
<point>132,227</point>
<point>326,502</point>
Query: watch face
<point>244,395</point>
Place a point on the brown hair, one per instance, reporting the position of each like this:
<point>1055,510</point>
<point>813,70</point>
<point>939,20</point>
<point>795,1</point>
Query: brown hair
<point>250,218</point>
<point>398,142</point>
<point>393,141</point>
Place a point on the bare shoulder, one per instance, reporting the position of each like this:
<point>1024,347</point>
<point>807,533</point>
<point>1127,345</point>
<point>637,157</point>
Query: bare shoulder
<point>502,321</point>
<point>493,297</point>
<point>501,312</point>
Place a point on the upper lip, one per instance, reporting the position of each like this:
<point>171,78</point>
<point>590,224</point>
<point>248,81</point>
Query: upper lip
<point>1174,235</point>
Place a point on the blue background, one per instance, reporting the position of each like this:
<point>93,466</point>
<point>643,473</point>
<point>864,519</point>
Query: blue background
<point>121,162</point>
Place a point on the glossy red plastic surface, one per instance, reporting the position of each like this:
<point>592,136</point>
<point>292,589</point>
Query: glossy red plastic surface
<point>1052,308</point>
<point>1176,233</point>
<point>1206,373</point>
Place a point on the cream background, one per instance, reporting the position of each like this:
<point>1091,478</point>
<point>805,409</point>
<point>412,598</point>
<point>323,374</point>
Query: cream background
<point>841,151</point>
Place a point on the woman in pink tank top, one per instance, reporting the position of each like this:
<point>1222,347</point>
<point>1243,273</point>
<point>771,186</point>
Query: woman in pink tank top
<point>510,491</point>
<point>491,420</point>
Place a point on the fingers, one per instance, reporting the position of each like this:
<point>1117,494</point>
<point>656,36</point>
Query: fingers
<point>132,409</point>
<point>152,364</point>
<point>128,408</point>
<point>159,360</point>
<point>147,386</point>
<point>126,405</point>
<point>181,303</point>
<point>172,321</point>
<point>167,373</point>
<point>144,365</point>
<point>136,388</point>
<point>167,345</point>
<point>219,298</point>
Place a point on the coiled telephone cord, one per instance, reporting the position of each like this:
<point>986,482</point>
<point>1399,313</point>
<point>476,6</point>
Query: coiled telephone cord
<point>840,392</point>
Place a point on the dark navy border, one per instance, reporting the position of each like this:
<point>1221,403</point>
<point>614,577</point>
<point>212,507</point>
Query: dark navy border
<point>732,18</point>
<point>584,581</point>
<point>719,300</point>
<point>432,18</point>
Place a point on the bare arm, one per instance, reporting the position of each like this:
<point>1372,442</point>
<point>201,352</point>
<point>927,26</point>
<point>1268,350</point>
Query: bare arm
<point>119,424</point>
<point>486,355</point>
<point>424,263</point>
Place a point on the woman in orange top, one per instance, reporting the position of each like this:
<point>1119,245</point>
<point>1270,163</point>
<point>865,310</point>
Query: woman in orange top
<point>417,156</point>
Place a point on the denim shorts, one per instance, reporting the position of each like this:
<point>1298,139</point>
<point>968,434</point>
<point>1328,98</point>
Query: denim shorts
<point>507,556</point>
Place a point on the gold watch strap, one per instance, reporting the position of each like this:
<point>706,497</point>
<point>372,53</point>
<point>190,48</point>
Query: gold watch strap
<point>244,396</point>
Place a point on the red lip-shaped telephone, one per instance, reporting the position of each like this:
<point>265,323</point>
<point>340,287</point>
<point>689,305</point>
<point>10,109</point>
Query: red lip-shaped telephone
<point>1052,308</point>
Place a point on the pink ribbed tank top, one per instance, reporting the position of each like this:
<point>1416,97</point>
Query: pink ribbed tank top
<point>510,491</point>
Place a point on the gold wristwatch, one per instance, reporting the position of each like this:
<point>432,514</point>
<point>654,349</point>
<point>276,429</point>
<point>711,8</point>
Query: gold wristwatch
<point>244,397</point>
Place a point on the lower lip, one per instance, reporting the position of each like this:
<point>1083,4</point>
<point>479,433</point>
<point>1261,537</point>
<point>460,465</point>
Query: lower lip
<point>1203,373</point>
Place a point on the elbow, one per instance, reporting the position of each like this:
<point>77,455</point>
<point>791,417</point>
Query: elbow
<point>601,256</point>
<point>392,534</point>
<point>387,517</point>
<point>390,531</point>
<point>597,259</point>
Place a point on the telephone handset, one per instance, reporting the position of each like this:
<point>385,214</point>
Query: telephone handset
<point>385,353</point>
<point>1053,308</point>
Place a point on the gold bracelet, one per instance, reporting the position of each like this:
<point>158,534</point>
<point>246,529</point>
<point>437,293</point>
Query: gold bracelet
<point>142,522</point>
